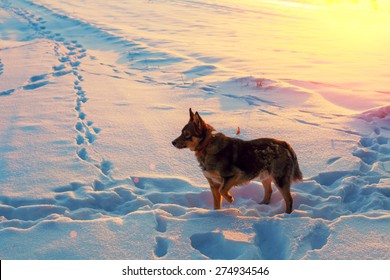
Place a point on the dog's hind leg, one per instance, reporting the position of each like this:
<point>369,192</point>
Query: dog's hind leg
<point>217,198</point>
<point>267,190</point>
<point>287,198</point>
<point>283,186</point>
<point>229,183</point>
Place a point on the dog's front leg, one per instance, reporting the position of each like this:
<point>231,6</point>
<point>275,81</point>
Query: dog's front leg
<point>217,198</point>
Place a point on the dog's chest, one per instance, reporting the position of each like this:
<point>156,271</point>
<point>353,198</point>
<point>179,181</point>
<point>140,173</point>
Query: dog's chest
<point>213,176</point>
<point>209,172</point>
<point>201,157</point>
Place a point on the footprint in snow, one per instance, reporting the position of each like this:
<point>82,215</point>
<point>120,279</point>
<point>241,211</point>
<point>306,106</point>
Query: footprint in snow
<point>214,245</point>
<point>82,154</point>
<point>36,78</point>
<point>161,224</point>
<point>36,85</point>
<point>61,73</point>
<point>80,140</point>
<point>90,137</point>
<point>161,247</point>
<point>106,167</point>
<point>274,239</point>
<point>7,92</point>
<point>59,67</point>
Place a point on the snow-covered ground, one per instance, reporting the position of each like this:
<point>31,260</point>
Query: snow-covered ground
<point>93,92</point>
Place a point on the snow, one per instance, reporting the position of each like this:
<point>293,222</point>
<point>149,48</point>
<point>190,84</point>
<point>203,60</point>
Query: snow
<point>93,92</point>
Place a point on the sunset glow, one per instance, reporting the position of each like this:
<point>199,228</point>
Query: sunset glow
<point>339,42</point>
<point>335,36</point>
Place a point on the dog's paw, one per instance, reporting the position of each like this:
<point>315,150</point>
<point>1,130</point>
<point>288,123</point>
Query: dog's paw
<point>229,198</point>
<point>265,201</point>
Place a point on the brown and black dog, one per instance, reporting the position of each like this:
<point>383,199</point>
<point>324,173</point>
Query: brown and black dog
<point>227,162</point>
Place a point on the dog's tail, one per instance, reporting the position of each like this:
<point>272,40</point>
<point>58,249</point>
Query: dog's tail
<point>297,173</point>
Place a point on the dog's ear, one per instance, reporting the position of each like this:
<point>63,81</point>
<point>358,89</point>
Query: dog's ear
<point>198,121</point>
<point>191,115</point>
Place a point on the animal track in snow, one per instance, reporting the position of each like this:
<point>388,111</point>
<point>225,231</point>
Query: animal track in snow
<point>306,122</point>
<point>36,85</point>
<point>82,115</point>
<point>106,167</point>
<point>7,92</point>
<point>33,79</point>
<point>161,224</point>
<point>273,237</point>
<point>161,247</point>
<point>215,245</point>
<point>271,241</point>
<point>79,126</point>
<point>82,154</point>
<point>137,55</point>
<point>59,67</point>
<point>80,140</point>
<point>90,137</point>
<point>61,73</point>
<point>375,147</point>
<point>350,190</point>
<point>86,134</point>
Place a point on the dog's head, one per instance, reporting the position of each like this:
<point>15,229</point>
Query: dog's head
<point>192,133</point>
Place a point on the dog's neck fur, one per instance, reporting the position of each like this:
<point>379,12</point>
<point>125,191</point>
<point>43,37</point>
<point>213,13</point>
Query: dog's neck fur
<point>201,149</point>
<point>204,143</point>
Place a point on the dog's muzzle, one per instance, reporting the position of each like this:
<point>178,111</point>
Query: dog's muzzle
<point>177,145</point>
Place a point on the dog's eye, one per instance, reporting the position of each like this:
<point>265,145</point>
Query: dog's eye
<point>187,135</point>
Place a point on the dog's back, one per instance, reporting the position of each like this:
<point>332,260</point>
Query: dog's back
<point>255,158</point>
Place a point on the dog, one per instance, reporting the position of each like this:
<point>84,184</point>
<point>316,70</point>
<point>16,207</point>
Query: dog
<point>227,162</point>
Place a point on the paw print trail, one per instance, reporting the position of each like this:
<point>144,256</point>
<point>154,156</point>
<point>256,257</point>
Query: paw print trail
<point>162,242</point>
<point>70,54</point>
